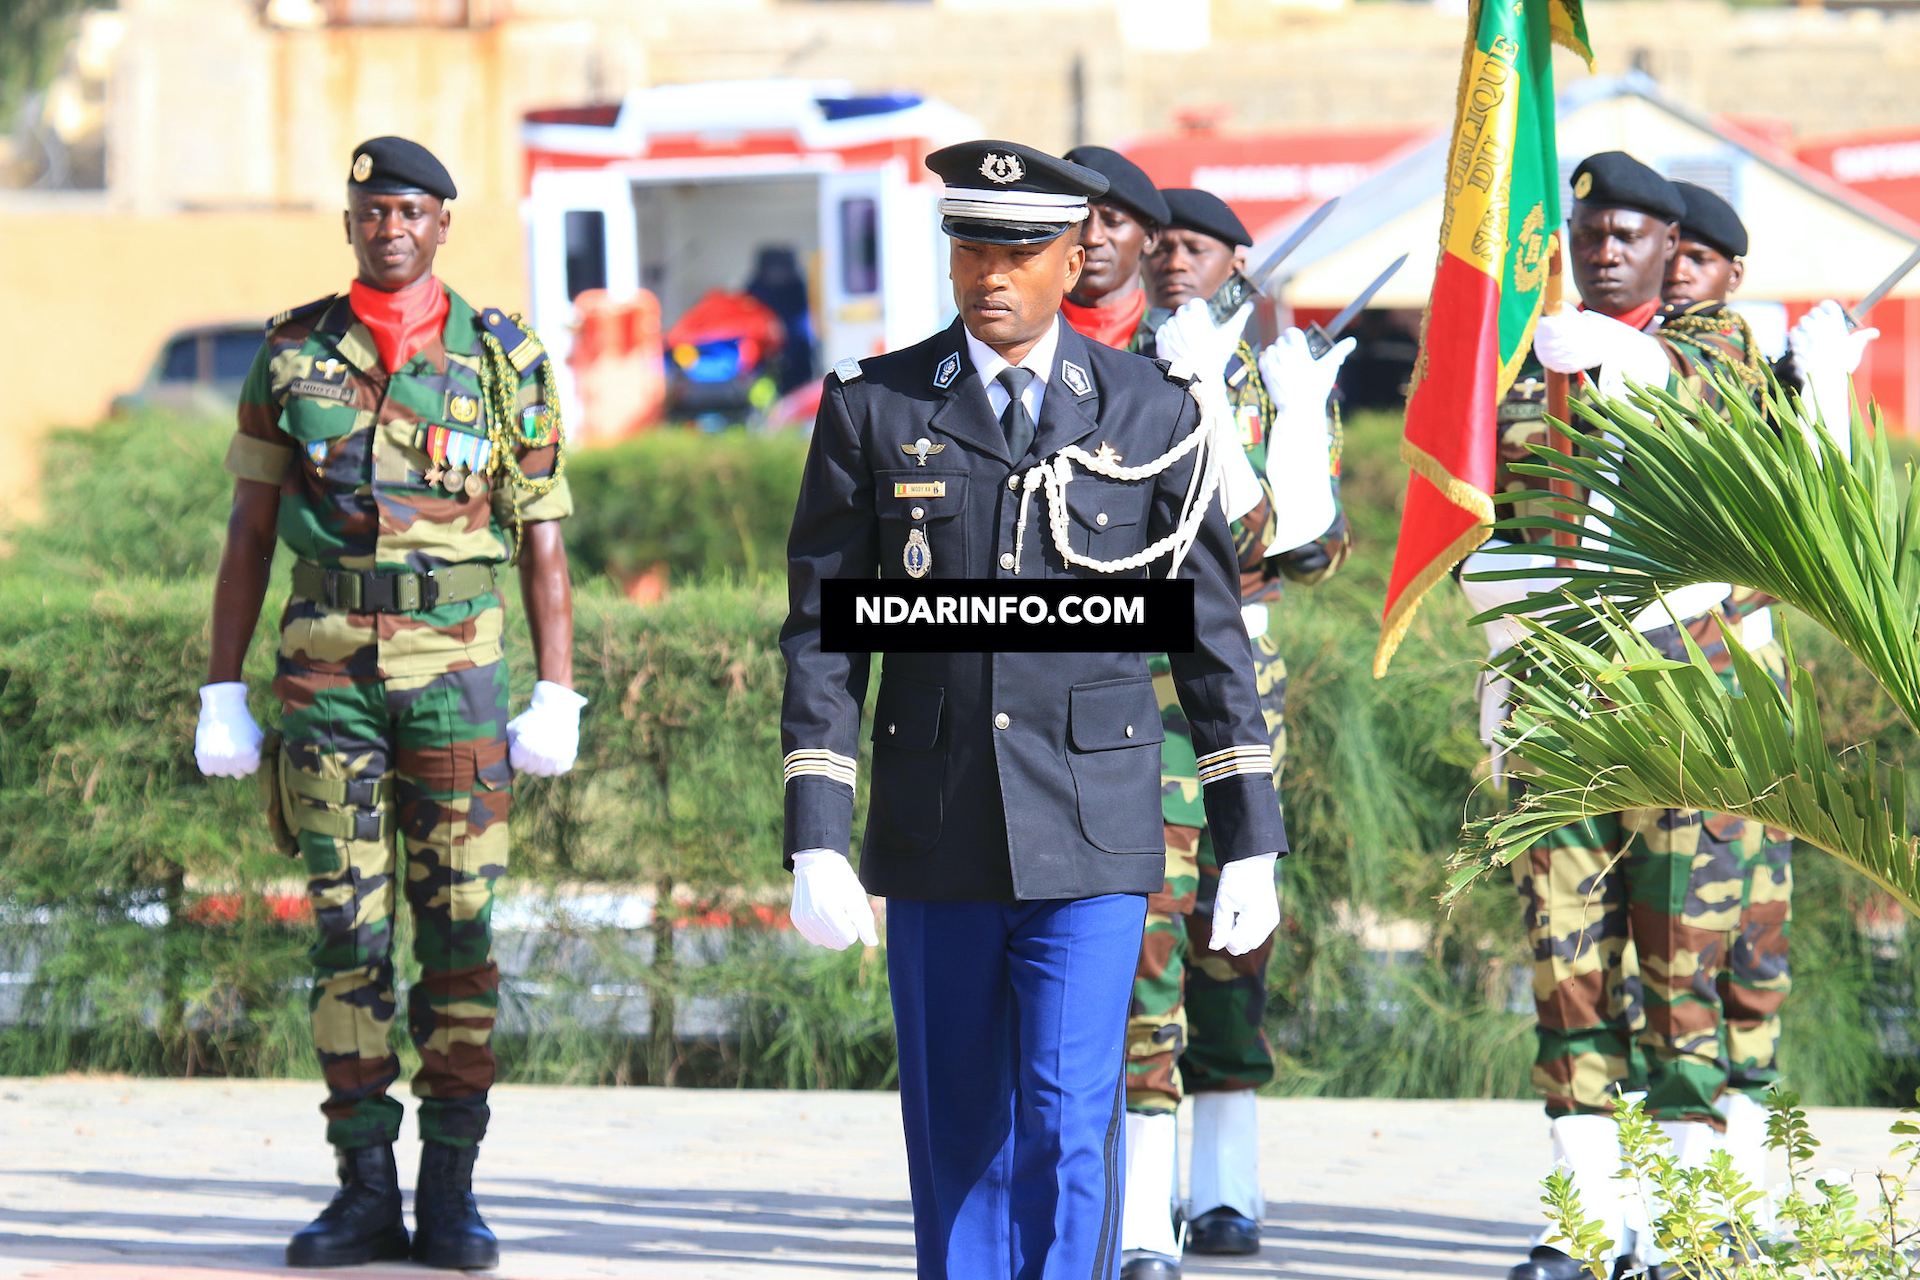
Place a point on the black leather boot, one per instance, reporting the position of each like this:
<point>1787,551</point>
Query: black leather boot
<point>363,1222</point>
<point>1223,1232</point>
<point>447,1230</point>
<point>1139,1265</point>
<point>1547,1263</point>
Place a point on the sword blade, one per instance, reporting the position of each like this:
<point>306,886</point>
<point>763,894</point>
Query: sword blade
<point>1258,276</point>
<point>1336,326</point>
<point>1858,315</point>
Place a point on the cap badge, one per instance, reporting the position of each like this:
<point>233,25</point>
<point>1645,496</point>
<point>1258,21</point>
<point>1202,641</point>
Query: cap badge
<point>949,370</point>
<point>922,449</point>
<point>362,167</point>
<point>1002,167</point>
<point>1075,377</point>
<point>1582,185</point>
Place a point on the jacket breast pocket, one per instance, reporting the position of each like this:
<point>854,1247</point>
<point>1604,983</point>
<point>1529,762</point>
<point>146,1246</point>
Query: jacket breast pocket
<point>1106,519</point>
<point>923,523</point>
<point>909,766</point>
<point>1113,749</point>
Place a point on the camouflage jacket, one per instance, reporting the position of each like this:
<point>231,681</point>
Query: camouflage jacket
<point>352,449</point>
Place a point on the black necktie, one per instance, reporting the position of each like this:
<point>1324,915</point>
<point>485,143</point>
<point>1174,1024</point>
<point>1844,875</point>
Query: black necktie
<point>1014,419</point>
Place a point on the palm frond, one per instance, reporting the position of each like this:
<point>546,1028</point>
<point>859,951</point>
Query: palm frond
<point>1683,493</point>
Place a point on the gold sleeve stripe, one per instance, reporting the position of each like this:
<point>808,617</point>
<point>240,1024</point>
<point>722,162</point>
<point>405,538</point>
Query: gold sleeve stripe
<point>819,764</point>
<point>250,458</point>
<point>1236,761</point>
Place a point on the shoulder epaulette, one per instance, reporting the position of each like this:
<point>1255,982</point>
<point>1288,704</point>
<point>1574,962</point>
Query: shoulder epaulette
<point>523,348</point>
<point>1176,371</point>
<point>300,312</point>
<point>847,370</point>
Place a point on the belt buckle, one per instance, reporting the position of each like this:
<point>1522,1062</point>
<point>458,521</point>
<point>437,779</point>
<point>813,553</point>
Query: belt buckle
<point>427,589</point>
<point>330,589</point>
<point>377,593</point>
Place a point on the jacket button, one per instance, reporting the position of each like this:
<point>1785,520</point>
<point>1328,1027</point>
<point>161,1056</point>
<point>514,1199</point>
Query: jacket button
<point>1100,519</point>
<point>891,728</point>
<point>1129,730</point>
<point>1013,482</point>
<point>919,513</point>
<point>1002,720</point>
<point>1006,559</point>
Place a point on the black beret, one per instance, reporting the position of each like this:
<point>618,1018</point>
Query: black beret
<point>390,164</point>
<point>1711,220</point>
<point>1205,212</point>
<point>1127,184</point>
<point>1006,193</point>
<point>1615,180</point>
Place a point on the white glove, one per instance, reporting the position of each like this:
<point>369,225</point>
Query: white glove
<point>226,742</point>
<point>1826,352</point>
<point>1299,443</point>
<point>1246,906</point>
<point>544,739</point>
<point>1576,340</point>
<point>830,906</point>
<point>1190,337</point>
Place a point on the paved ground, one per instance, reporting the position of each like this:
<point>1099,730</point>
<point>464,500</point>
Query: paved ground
<point>105,1179</point>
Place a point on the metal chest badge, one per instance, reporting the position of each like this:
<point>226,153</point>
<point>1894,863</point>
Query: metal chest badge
<point>918,556</point>
<point>922,449</point>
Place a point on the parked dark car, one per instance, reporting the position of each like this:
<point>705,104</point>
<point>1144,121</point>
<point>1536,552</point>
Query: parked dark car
<point>198,369</point>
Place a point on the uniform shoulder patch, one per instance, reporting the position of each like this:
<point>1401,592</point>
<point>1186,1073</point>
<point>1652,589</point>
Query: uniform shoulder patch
<point>522,345</point>
<point>300,312</point>
<point>847,370</point>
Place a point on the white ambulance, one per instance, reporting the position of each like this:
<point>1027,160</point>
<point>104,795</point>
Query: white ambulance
<point>682,189</point>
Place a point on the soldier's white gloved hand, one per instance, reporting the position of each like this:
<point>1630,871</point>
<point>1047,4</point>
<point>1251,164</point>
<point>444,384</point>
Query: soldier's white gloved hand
<point>1189,337</point>
<point>1299,441</point>
<point>1296,381</point>
<point>1246,905</point>
<point>1826,353</point>
<point>544,739</point>
<point>830,906</point>
<point>1576,340</point>
<point>226,742</point>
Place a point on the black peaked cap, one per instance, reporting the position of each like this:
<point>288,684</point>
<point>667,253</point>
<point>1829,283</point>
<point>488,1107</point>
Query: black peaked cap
<point>1001,172</point>
<point>391,164</point>
<point>1711,220</point>
<point>1615,180</point>
<point>1207,213</point>
<point>1127,184</point>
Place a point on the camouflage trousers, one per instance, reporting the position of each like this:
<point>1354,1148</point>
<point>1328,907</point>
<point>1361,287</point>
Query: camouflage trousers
<point>1197,1021</point>
<point>427,785</point>
<point>1659,940</point>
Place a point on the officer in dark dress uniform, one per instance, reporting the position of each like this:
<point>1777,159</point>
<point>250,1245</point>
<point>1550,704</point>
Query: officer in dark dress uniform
<point>1014,824</point>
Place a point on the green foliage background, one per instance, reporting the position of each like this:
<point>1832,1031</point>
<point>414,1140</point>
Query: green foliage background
<point>104,819</point>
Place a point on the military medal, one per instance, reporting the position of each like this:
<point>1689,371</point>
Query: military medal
<point>454,479</point>
<point>918,557</point>
<point>476,484</point>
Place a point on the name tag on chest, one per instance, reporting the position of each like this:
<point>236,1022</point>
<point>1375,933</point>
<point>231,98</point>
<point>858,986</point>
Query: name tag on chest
<point>322,390</point>
<point>920,489</point>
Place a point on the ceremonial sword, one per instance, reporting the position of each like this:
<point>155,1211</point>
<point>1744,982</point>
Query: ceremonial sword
<point>1857,315</point>
<point>1320,340</point>
<point>1239,287</point>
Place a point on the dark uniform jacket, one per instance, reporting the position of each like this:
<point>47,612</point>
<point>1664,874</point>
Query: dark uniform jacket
<point>1009,776</point>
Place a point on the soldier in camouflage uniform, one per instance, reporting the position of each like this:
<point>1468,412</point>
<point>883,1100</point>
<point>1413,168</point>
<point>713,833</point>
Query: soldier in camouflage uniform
<point>405,446</point>
<point>1651,929</point>
<point>1197,1021</point>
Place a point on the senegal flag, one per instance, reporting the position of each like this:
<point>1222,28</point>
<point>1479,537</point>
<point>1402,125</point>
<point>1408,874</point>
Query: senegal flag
<point>1502,205</point>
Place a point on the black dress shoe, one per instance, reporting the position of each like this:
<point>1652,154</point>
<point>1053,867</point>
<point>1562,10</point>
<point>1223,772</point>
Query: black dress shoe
<point>1137,1265</point>
<point>362,1223</point>
<point>1548,1263</point>
<point>1223,1232</point>
<point>447,1230</point>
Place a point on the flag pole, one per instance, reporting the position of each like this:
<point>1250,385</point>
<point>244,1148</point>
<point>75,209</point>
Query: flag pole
<point>1557,393</point>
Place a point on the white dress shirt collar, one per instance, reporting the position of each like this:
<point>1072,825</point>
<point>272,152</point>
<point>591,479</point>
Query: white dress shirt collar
<point>988,364</point>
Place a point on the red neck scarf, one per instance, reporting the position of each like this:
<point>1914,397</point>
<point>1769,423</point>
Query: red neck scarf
<point>403,322</point>
<point>1638,318</point>
<point>1109,326</point>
